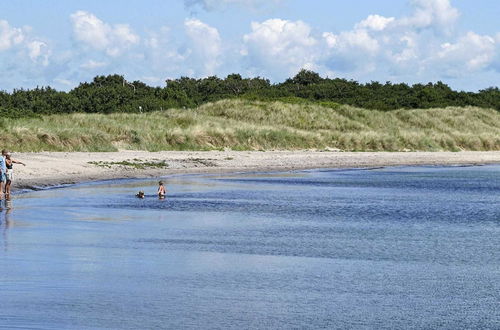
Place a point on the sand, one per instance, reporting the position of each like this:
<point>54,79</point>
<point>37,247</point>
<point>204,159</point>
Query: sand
<point>59,168</point>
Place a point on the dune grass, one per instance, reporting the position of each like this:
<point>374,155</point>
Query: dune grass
<point>256,125</point>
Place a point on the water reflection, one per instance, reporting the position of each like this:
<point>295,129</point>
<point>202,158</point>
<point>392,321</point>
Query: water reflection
<point>6,219</point>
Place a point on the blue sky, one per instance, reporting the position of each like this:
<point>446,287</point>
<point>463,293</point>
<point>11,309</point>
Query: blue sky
<point>63,42</point>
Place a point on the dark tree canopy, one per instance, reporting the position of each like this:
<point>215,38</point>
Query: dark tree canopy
<point>106,94</point>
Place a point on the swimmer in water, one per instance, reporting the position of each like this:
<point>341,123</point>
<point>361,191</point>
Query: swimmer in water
<point>140,194</point>
<point>161,190</point>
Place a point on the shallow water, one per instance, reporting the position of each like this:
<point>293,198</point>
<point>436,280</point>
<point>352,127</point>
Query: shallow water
<point>406,247</point>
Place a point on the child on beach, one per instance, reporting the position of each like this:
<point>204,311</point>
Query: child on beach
<point>161,190</point>
<point>3,169</point>
<point>9,173</point>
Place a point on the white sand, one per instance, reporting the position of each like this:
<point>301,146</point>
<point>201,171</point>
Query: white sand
<point>55,168</point>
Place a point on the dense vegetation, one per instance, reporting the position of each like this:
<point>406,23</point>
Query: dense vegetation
<point>109,94</point>
<point>242,124</point>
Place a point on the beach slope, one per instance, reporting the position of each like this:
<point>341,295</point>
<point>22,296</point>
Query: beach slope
<point>58,168</point>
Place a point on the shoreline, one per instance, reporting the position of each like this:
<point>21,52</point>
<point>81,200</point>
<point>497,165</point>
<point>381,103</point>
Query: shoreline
<point>47,169</point>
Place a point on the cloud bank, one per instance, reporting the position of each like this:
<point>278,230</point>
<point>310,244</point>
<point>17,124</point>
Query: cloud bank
<point>421,46</point>
<point>90,31</point>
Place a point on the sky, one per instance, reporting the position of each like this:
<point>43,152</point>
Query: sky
<point>61,43</point>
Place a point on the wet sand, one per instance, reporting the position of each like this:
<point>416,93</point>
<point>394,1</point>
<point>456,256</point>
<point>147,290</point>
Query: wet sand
<point>59,168</point>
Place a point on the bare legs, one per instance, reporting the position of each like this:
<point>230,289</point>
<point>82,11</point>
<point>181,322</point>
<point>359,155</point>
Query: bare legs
<point>7,187</point>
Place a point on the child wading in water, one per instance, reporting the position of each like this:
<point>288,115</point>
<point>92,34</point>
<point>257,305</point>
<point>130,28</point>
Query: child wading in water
<point>161,190</point>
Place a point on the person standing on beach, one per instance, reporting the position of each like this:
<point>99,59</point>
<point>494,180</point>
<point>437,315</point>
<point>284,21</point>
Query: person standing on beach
<point>9,172</point>
<point>3,170</point>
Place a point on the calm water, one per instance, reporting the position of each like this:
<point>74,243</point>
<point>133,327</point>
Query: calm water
<point>408,247</point>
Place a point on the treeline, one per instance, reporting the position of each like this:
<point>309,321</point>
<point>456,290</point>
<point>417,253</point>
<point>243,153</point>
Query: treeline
<point>106,94</point>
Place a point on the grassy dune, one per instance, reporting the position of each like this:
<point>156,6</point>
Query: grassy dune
<point>254,125</point>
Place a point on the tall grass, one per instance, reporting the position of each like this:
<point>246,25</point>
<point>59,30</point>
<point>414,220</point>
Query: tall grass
<point>254,125</point>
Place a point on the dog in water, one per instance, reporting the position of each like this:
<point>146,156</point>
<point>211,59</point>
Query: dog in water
<point>140,194</point>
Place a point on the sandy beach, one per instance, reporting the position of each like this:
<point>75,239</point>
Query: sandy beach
<point>59,168</point>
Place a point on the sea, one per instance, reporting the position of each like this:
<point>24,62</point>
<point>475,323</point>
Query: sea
<point>371,248</point>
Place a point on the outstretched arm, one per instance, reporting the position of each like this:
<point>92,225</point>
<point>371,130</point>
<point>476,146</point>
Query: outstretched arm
<point>17,162</point>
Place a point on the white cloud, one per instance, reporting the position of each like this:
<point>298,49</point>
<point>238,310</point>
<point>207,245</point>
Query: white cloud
<point>373,43</point>
<point>353,50</point>
<point>421,46</point>
<point>20,42</point>
<point>409,52</point>
<point>418,44</point>
<point>375,22</point>
<point>377,44</point>
<point>39,52</point>
<point>205,43</point>
<point>10,36</point>
<point>280,46</point>
<point>96,34</point>
<point>439,14</point>
<point>90,30</point>
<point>354,41</point>
<point>471,52</point>
<point>331,39</point>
